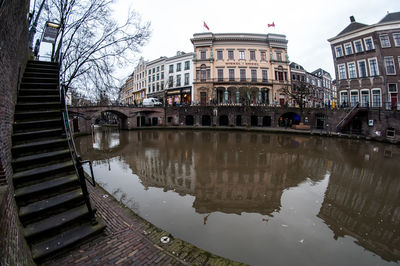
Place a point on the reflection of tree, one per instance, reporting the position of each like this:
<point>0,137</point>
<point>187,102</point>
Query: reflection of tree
<point>366,206</point>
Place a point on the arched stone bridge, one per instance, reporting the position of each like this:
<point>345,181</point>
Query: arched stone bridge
<point>129,117</point>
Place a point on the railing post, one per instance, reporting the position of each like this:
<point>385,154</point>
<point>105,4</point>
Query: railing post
<point>82,180</point>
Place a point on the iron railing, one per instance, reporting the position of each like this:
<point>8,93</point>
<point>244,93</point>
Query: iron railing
<point>76,158</point>
<point>346,116</point>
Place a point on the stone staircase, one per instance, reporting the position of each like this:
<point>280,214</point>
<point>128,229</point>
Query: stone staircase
<point>51,204</point>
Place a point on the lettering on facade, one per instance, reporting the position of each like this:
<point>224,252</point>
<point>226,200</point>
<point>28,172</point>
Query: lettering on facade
<point>241,64</point>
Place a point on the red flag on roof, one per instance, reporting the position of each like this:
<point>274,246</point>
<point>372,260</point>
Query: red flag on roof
<point>271,25</point>
<point>205,25</point>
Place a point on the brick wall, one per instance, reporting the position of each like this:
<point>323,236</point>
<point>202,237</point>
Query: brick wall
<point>13,57</point>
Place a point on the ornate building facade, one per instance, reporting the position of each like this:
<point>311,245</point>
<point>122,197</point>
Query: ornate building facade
<point>240,68</point>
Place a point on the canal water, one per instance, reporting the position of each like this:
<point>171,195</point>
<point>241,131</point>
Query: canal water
<point>258,198</point>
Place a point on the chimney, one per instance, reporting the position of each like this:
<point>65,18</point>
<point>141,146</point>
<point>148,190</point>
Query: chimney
<point>352,19</point>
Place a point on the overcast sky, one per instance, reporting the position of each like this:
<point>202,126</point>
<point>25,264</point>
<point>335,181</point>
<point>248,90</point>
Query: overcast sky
<point>307,24</point>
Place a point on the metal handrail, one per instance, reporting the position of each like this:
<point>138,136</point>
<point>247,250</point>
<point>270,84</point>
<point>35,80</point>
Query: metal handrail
<point>347,115</point>
<point>76,158</point>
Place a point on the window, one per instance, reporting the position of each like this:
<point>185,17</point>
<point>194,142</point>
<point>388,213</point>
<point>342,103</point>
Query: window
<point>149,71</point>
<point>162,85</point>
<point>154,78</point>
<point>220,75</point>
<point>393,88</point>
<point>339,51</point>
<point>252,55</point>
<point>171,68</point>
<point>162,67</point>
<point>353,98</point>
<point>389,65</point>
<point>154,70</point>
<point>319,83</point>
<point>341,70</point>
<point>278,56</point>
<point>149,78</point>
<point>158,76</point>
<point>376,98</point>
<point>170,81</point>
<point>158,69</point>
<point>178,80</point>
<point>241,55</point>
<point>178,67</point>
<point>373,67</point>
<point>362,69</point>
<point>352,70</point>
<point>348,48</point>
<point>313,82</point>
<point>186,79</point>
<point>358,46</point>
<point>369,44</point>
<point>344,98</point>
<point>385,42</point>
<point>203,55</point>
<point>230,54</point>
<point>308,78</point>
<point>162,75</point>
<point>365,98</point>
<point>242,74</point>
<point>231,75</point>
<point>396,38</point>
<point>220,55</point>
<point>293,77</point>
<point>187,65</point>
<point>158,86</point>
<point>254,75</point>
<point>263,56</point>
<point>264,75</point>
<point>154,88</point>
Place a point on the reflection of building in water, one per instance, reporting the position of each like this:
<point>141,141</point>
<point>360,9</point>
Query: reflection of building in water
<point>166,163</point>
<point>365,206</point>
<point>251,175</point>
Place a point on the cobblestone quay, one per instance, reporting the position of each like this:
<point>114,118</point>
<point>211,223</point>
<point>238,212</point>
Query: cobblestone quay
<point>130,240</point>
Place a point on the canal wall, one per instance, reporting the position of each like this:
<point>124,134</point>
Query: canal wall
<point>377,124</point>
<point>13,58</point>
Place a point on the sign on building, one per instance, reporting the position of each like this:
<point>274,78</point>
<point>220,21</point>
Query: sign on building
<point>50,32</point>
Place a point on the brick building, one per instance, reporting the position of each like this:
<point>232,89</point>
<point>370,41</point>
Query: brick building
<point>236,68</point>
<point>319,83</point>
<point>366,59</point>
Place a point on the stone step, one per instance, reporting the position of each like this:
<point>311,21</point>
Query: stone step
<point>27,92</point>
<point>41,69</point>
<point>36,134</point>
<point>35,72</point>
<point>24,115</point>
<point>37,106</point>
<point>42,64</point>
<point>42,172</point>
<point>40,208</point>
<point>30,161</point>
<point>56,221</point>
<point>38,85</point>
<point>65,239</point>
<point>43,187</point>
<point>31,124</point>
<point>23,149</point>
<point>46,80</point>
<point>38,98</point>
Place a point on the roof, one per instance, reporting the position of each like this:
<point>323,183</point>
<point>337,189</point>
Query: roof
<point>352,27</point>
<point>390,17</point>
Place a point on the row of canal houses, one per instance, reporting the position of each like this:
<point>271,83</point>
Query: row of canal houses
<point>237,68</point>
<point>227,68</point>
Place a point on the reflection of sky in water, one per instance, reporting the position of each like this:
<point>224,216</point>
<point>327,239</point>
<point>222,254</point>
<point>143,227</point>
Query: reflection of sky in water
<point>299,214</point>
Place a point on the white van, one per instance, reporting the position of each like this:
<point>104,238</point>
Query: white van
<point>149,102</point>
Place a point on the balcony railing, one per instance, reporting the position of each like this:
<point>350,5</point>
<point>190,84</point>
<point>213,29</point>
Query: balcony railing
<point>237,80</point>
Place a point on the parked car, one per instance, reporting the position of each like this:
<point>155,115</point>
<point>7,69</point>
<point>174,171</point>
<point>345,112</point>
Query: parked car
<point>150,102</point>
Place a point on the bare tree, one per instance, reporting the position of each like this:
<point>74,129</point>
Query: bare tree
<point>299,93</point>
<point>94,43</point>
